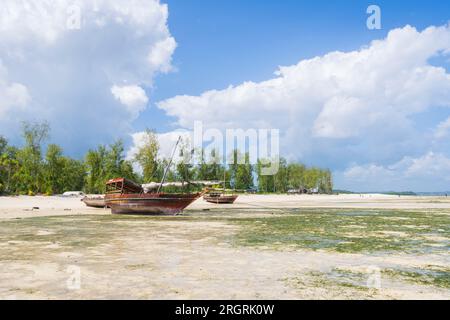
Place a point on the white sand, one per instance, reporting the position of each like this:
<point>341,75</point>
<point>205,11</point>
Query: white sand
<point>182,259</point>
<point>22,206</point>
<point>366,201</point>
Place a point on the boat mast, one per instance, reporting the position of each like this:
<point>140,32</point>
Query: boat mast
<point>168,165</point>
<point>224,179</point>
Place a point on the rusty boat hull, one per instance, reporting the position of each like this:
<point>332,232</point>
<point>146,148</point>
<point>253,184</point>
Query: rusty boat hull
<point>149,203</point>
<point>220,199</point>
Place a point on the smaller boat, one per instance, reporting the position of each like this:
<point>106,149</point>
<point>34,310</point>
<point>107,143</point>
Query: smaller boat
<point>220,198</point>
<point>94,201</point>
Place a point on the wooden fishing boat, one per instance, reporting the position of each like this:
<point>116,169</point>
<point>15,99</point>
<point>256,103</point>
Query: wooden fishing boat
<point>122,201</point>
<point>220,198</point>
<point>126,197</point>
<point>94,201</point>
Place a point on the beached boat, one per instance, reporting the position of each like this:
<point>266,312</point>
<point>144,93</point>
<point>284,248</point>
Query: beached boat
<point>220,198</point>
<point>122,200</point>
<point>127,197</point>
<point>94,201</point>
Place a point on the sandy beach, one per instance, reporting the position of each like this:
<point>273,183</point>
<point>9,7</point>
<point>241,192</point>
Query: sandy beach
<point>48,244</point>
<point>22,206</point>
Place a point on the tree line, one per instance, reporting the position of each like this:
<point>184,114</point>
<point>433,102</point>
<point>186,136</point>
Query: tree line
<point>30,170</point>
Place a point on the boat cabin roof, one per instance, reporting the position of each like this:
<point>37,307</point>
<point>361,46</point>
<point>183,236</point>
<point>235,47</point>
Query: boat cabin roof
<point>122,186</point>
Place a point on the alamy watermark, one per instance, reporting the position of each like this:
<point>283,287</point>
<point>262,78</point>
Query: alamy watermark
<point>374,20</point>
<point>374,278</point>
<point>252,146</point>
<point>73,17</point>
<point>73,282</point>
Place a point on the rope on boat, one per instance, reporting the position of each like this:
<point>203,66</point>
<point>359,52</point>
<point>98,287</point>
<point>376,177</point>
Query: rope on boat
<point>259,206</point>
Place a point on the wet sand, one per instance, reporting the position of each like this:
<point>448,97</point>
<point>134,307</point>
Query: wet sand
<point>64,250</point>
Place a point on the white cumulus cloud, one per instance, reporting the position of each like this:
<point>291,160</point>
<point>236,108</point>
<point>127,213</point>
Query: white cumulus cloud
<point>133,97</point>
<point>443,129</point>
<point>429,172</point>
<point>363,105</point>
<point>68,61</point>
<point>13,95</point>
<point>161,54</point>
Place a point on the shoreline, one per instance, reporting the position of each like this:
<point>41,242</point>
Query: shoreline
<point>12,207</point>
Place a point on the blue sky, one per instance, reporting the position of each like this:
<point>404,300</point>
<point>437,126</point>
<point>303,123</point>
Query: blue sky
<point>227,42</point>
<point>376,113</point>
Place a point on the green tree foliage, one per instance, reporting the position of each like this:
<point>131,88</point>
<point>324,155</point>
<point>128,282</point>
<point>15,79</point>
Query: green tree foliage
<point>185,169</point>
<point>25,170</point>
<point>281,179</point>
<point>241,171</point>
<point>3,164</point>
<point>210,167</point>
<point>265,182</point>
<point>95,163</point>
<point>104,164</point>
<point>3,144</point>
<point>294,176</point>
<point>30,174</point>
<point>61,173</point>
<point>116,165</point>
<point>54,169</point>
<point>74,175</point>
<point>326,182</point>
<point>9,165</point>
<point>147,157</point>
